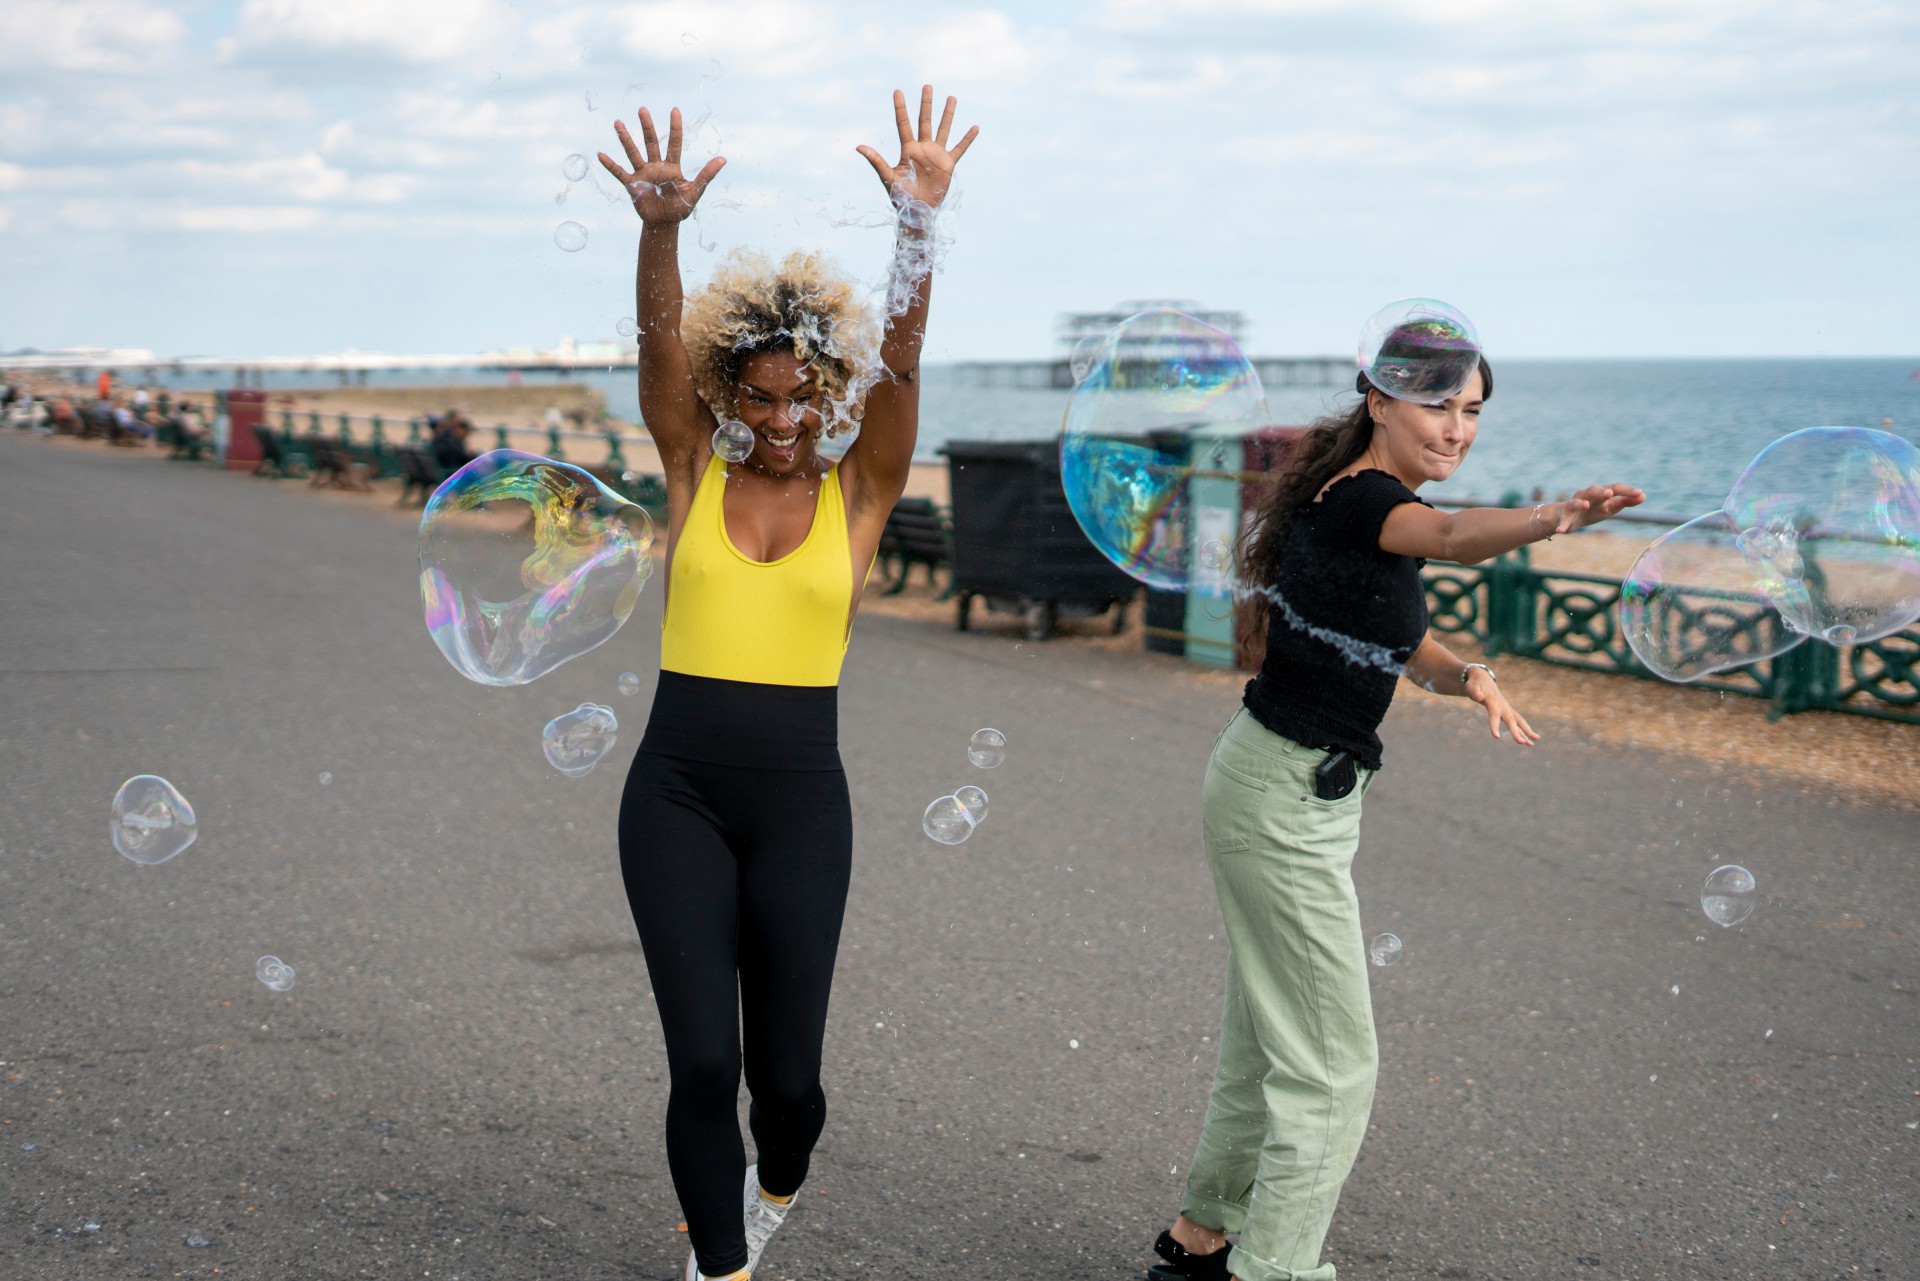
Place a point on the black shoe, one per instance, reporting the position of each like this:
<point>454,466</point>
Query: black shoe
<point>1183,1264</point>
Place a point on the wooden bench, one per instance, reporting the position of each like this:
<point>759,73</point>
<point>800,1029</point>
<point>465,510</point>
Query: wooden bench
<point>422,472</point>
<point>275,458</point>
<point>917,533</point>
<point>337,465</point>
<point>180,445</point>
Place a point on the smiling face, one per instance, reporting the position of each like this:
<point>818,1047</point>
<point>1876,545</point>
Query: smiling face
<point>1419,443</point>
<point>778,397</point>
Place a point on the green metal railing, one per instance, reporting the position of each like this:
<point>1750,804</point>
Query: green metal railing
<point>1573,620</point>
<point>373,447</point>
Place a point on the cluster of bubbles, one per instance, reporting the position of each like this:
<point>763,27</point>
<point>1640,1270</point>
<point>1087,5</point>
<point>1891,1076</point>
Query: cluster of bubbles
<point>733,441</point>
<point>951,819</point>
<point>152,822</point>
<point>1728,896</point>
<point>274,972</point>
<point>578,741</point>
<point>526,563</point>
<point>570,236</point>
<point>628,684</point>
<point>1419,349</point>
<point>915,256</point>
<point>1384,950</point>
<point>1820,537</point>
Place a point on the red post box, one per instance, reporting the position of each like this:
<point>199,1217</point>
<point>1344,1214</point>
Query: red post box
<point>246,409</point>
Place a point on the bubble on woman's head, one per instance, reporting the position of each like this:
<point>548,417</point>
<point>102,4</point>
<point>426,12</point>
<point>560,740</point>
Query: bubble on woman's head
<point>1419,349</point>
<point>1160,378</point>
<point>526,563</point>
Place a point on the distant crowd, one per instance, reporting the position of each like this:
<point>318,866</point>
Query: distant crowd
<point>119,418</point>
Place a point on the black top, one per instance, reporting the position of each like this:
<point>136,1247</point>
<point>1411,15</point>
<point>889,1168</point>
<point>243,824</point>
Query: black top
<point>1345,618</point>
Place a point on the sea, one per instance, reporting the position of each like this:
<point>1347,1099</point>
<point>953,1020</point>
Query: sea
<point>1682,430</point>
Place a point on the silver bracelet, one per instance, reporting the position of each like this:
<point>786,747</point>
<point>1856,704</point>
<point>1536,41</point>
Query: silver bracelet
<point>1483,667</point>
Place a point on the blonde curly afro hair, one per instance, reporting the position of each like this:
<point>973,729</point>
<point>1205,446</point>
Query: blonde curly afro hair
<point>803,306</point>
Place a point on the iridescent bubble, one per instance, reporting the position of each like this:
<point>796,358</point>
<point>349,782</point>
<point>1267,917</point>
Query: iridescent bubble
<point>274,972</point>
<point>975,800</point>
<point>570,236</point>
<point>1159,378</point>
<point>629,684</point>
<point>987,748</point>
<point>526,563</point>
<point>1695,603</point>
<point>574,167</point>
<point>1728,896</point>
<point>626,326</point>
<point>733,441</point>
<point>576,742</point>
<point>151,820</point>
<point>1384,950</point>
<point>1830,519</point>
<point>947,821</point>
<point>1419,349</point>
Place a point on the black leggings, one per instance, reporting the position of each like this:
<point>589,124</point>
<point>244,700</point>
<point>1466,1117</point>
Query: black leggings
<point>737,874</point>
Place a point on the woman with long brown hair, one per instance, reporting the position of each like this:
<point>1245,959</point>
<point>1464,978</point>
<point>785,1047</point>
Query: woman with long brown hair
<point>1334,557</point>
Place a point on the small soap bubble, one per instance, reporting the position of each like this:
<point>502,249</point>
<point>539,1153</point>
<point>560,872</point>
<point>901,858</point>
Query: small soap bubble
<point>527,563</point>
<point>947,821</point>
<point>629,476</point>
<point>629,684</point>
<point>1728,896</point>
<point>1385,949</point>
<point>274,972</point>
<point>987,748</point>
<point>626,327</point>
<point>1653,1078</point>
<point>576,742</point>
<point>574,167</point>
<point>1214,556</point>
<point>1674,990</point>
<point>1086,353</point>
<point>1073,1045</point>
<point>152,822</point>
<point>325,778</point>
<point>89,1227</point>
<point>570,236</point>
<point>975,799</point>
<point>1419,349</point>
<point>733,441</point>
<point>1125,447</point>
<point>198,1243</point>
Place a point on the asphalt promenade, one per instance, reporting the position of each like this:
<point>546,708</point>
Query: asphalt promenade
<point>467,1081</point>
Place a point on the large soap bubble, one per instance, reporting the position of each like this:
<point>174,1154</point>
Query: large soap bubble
<point>151,820</point>
<point>576,742</point>
<point>1819,537</point>
<point>526,563</point>
<point>1124,451</point>
<point>1419,349</point>
<point>1830,516</point>
<point>1693,603</point>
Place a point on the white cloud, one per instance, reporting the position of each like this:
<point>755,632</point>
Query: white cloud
<point>12,177</point>
<point>413,31</point>
<point>85,35</point>
<point>242,218</point>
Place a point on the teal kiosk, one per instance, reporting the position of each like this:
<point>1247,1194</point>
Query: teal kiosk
<point>1213,513</point>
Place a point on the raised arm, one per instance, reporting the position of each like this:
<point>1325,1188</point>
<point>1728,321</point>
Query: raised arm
<point>916,184</point>
<point>1475,534</point>
<point>679,422</point>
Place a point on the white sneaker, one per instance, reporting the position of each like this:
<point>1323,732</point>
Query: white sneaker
<point>762,1217</point>
<point>693,1272</point>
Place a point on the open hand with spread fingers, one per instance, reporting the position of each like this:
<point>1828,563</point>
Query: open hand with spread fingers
<point>661,192</point>
<point>1594,504</point>
<point>925,168</point>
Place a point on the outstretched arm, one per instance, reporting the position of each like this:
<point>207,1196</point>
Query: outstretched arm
<point>916,184</point>
<point>663,197</point>
<point>1475,534</point>
<point>1435,668</point>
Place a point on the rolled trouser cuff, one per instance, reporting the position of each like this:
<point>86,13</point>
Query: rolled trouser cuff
<point>1213,1212</point>
<point>1250,1267</point>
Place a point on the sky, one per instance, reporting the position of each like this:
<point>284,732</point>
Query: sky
<point>1584,178</point>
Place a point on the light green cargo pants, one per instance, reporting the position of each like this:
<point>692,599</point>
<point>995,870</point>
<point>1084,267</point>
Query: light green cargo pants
<point>1294,1084</point>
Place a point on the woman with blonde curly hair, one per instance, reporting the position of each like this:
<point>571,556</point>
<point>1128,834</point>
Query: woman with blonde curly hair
<point>736,834</point>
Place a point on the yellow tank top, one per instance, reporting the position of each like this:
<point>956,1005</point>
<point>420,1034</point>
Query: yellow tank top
<point>778,622</point>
